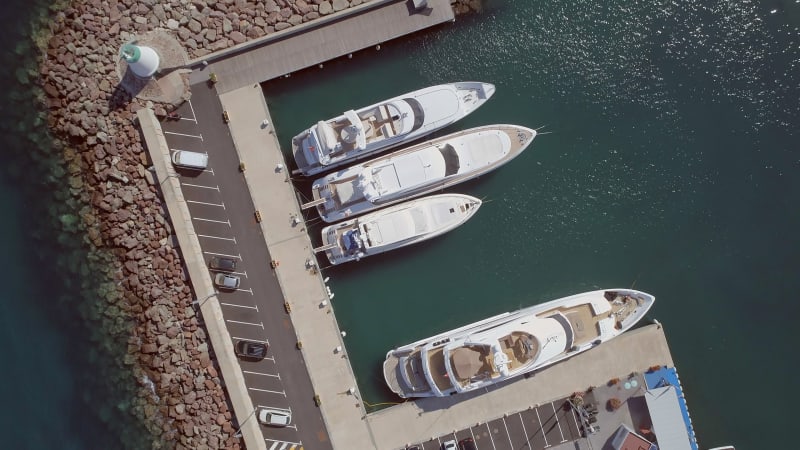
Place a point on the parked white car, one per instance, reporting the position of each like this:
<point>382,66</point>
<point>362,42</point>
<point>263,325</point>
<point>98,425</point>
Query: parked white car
<point>275,417</point>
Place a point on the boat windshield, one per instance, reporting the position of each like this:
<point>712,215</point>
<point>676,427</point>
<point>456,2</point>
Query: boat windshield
<point>451,164</point>
<point>351,241</point>
<point>419,113</point>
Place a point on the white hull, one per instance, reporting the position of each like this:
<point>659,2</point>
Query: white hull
<point>417,170</point>
<point>512,344</point>
<point>397,226</point>
<point>357,134</point>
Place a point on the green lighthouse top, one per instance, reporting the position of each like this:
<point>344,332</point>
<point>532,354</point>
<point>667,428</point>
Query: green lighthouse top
<point>131,53</point>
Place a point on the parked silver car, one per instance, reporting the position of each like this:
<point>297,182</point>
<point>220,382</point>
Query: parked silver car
<point>227,281</point>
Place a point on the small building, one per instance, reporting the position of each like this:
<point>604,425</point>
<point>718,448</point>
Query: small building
<point>627,439</point>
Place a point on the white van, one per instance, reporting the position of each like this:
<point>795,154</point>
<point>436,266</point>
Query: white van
<point>192,160</point>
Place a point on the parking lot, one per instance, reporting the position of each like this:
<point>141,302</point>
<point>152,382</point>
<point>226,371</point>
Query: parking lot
<point>541,427</point>
<point>224,221</point>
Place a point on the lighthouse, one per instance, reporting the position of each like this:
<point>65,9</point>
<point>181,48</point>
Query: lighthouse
<point>143,61</point>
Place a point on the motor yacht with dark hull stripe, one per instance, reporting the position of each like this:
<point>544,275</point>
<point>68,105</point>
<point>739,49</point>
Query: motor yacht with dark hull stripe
<point>396,226</point>
<point>358,134</point>
<point>417,170</point>
<point>511,344</point>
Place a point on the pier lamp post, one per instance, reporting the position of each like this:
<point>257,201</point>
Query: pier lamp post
<point>238,433</point>
<point>199,302</point>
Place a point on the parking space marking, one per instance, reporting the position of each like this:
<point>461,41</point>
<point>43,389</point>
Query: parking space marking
<point>212,220</point>
<point>508,433</point>
<point>247,323</point>
<point>491,438</point>
<point>558,422</point>
<point>286,444</point>
<point>575,418</point>
<point>277,375</point>
<point>267,390</point>
<point>544,435</point>
<point>199,136</point>
<point>239,257</point>
<point>206,203</point>
<point>239,306</point>
<point>254,340</point>
<point>216,188</point>
<point>233,239</point>
<point>194,116</point>
<point>472,434</point>
<point>524,430</point>
<point>246,290</point>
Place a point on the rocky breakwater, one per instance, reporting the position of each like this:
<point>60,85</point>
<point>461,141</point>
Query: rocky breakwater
<point>113,199</point>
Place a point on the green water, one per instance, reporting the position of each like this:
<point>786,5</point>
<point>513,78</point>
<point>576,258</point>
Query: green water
<point>671,165</point>
<point>65,382</point>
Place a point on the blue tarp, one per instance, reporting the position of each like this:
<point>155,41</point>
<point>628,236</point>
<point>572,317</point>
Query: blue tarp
<point>668,376</point>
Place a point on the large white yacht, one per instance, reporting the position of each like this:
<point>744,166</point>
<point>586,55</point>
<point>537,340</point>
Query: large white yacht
<point>511,344</point>
<point>396,226</point>
<point>357,134</point>
<point>417,170</point>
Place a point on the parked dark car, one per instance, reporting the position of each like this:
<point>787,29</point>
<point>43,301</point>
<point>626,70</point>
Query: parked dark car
<point>467,444</point>
<point>226,264</point>
<point>251,350</point>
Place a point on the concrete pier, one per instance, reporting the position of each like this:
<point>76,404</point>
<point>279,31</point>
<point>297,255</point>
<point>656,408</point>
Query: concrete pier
<point>315,42</point>
<point>348,423</point>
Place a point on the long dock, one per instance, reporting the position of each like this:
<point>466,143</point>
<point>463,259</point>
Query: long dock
<point>315,42</point>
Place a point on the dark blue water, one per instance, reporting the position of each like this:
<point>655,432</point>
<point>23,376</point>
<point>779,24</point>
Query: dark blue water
<point>65,382</point>
<point>673,165</point>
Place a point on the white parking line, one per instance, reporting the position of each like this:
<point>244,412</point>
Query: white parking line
<point>246,290</point>
<point>212,220</point>
<point>232,273</point>
<point>206,203</point>
<point>471,433</point>
<point>267,390</point>
<point>239,257</point>
<point>233,239</point>
<point>216,188</point>
<point>575,418</point>
<point>524,430</point>
<point>254,340</point>
<point>491,438</point>
<point>247,323</point>
<point>239,306</point>
<point>194,116</point>
<point>558,422</point>
<point>541,428</point>
<point>508,433</point>
<point>284,445</point>
<point>277,375</point>
<point>200,136</point>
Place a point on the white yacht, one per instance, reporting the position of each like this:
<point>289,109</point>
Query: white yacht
<point>511,344</point>
<point>417,170</point>
<point>396,226</point>
<point>357,134</point>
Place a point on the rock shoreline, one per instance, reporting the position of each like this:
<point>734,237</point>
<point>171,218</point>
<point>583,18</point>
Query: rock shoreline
<point>181,396</point>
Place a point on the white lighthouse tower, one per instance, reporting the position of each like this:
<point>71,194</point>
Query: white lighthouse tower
<point>143,61</point>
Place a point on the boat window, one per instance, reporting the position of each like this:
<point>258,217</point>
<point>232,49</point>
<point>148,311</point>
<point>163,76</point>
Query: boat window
<point>419,113</point>
<point>451,164</point>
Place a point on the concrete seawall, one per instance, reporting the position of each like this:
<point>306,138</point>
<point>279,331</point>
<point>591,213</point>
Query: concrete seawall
<point>200,278</point>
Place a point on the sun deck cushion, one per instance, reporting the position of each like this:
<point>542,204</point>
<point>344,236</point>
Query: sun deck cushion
<point>351,241</point>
